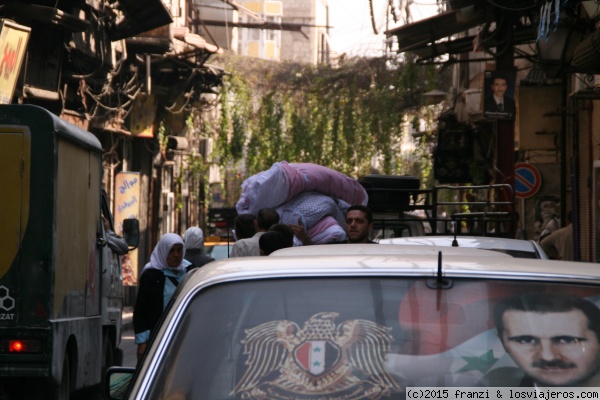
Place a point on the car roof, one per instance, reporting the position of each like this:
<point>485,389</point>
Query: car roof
<point>401,265</point>
<point>481,242</point>
<point>375,249</point>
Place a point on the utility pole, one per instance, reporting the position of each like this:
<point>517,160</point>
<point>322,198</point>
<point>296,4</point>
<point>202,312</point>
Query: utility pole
<point>505,129</point>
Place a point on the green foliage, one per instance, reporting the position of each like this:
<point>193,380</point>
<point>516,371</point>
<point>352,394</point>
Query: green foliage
<point>162,136</point>
<point>343,118</point>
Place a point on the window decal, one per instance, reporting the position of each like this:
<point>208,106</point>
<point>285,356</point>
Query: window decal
<point>320,360</point>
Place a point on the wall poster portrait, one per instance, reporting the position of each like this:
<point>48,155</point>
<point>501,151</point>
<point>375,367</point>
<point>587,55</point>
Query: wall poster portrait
<point>499,95</point>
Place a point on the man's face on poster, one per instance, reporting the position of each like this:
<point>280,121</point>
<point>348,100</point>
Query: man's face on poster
<point>499,87</point>
<point>553,348</point>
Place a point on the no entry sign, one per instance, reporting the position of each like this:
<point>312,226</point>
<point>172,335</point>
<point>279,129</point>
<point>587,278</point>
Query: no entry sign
<point>527,180</point>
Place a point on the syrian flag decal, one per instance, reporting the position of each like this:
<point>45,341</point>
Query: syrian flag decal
<point>317,356</point>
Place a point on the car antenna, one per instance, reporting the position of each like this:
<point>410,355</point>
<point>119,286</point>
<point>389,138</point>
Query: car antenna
<point>439,282</point>
<point>454,242</point>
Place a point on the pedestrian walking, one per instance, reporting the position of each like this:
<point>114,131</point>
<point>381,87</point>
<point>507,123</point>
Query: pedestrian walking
<point>157,284</point>
<point>266,218</point>
<point>193,239</point>
<point>559,244</point>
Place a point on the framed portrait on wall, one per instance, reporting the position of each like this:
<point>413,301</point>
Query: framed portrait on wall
<point>499,95</point>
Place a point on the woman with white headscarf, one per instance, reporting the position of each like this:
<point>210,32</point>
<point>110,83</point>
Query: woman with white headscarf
<point>194,247</point>
<point>156,286</point>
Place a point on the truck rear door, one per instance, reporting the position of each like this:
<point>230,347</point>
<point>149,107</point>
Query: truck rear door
<point>14,181</point>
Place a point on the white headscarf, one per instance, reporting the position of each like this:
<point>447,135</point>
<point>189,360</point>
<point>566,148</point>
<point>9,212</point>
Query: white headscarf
<point>193,239</point>
<point>158,259</point>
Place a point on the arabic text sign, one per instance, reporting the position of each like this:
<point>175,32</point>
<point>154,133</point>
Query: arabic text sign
<point>127,205</point>
<point>13,44</point>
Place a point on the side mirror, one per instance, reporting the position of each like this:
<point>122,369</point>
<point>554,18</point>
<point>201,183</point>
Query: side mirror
<point>117,382</point>
<point>131,232</point>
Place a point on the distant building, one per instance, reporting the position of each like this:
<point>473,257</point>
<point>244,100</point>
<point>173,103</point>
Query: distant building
<point>279,30</point>
<point>314,15</point>
<point>219,19</point>
<point>261,43</point>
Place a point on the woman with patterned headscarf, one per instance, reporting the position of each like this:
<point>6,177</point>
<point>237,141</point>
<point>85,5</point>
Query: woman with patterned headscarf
<point>156,286</point>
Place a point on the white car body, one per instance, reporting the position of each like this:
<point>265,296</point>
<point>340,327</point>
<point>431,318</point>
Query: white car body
<point>241,326</point>
<point>376,249</point>
<point>514,247</point>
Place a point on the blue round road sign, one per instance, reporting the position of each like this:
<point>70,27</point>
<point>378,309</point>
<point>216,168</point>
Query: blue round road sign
<point>527,180</point>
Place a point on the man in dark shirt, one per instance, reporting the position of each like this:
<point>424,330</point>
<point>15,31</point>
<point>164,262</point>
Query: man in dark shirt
<point>116,243</point>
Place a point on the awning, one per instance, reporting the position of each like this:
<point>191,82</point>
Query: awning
<point>434,36</point>
<point>521,35</point>
<point>422,33</point>
<point>49,15</point>
<point>140,16</point>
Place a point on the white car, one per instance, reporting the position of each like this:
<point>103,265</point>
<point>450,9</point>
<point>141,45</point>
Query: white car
<point>376,249</point>
<point>513,247</point>
<point>366,326</point>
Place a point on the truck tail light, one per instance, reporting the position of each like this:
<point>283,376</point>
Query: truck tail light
<point>16,346</point>
<point>20,346</point>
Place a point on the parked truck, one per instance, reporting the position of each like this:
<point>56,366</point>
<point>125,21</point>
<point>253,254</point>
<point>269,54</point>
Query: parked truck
<point>61,288</point>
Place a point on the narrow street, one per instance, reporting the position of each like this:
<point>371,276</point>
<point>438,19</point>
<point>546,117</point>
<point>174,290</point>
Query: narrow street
<point>129,357</point>
<point>127,340</point>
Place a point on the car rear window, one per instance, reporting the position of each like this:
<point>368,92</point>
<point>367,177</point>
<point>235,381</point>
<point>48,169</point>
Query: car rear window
<point>356,338</point>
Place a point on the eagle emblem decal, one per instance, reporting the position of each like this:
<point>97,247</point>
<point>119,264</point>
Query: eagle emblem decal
<point>321,360</point>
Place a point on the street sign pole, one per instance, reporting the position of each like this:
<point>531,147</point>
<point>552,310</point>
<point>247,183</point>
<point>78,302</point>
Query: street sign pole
<point>505,129</point>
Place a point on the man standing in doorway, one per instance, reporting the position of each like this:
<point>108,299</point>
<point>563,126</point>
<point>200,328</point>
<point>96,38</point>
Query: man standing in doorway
<point>559,244</point>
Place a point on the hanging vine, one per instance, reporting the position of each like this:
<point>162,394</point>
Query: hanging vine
<point>348,118</point>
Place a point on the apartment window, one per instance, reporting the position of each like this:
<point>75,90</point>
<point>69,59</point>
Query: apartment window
<point>273,35</point>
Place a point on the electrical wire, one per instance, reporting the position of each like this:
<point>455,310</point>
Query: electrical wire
<point>188,95</point>
<point>373,23</point>
<point>101,47</point>
<point>511,9</point>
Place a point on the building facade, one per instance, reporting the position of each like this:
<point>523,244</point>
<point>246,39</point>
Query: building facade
<point>549,49</point>
<point>278,30</point>
<point>135,74</point>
